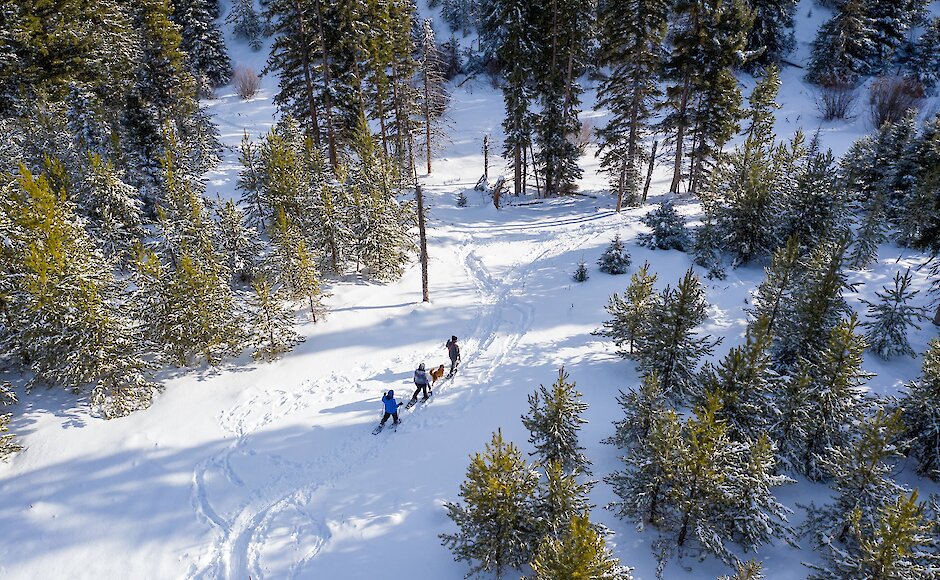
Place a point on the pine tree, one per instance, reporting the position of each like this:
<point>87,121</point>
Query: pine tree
<point>506,31</point>
<point>671,347</point>
<point>560,498</point>
<point>771,36</point>
<point>579,553</point>
<point>706,249</point>
<point>832,399</point>
<point>861,473</point>
<point>890,22</point>
<point>774,295</point>
<point>112,208</point>
<point>668,229</point>
<point>925,62</point>
<point>631,36</point>
<point>921,413</point>
<point>641,409</point>
<point>553,422</point>
<point>497,522</point>
<point>272,324</point>
<point>581,272</point>
<point>245,23</point>
<point>750,570</point>
<point>434,95</point>
<point>237,242</point>
<point>632,313</point>
<point>293,266</point>
<point>8,442</point>
<point>744,382</point>
<point>843,48</point>
<point>68,317</point>
<point>616,258</point>
<point>818,206</point>
<point>202,41</point>
<point>890,318</point>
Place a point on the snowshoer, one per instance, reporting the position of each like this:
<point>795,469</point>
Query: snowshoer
<point>422,382</point>
<point>391,407</point>
<point>454,352</point>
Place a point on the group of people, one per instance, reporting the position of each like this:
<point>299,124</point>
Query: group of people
<point>423,382</point>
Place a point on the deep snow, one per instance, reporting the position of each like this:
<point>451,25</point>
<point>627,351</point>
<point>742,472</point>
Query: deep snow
<point>270,470</point>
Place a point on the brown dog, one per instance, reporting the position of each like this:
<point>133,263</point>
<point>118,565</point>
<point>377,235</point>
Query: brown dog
<point>436,374</point>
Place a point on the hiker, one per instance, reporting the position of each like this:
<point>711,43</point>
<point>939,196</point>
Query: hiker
<point>454,352</point>
<point>391,407</point>
<point>422,382</point>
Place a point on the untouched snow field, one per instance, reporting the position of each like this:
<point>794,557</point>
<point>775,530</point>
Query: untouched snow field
<point>270,470</point>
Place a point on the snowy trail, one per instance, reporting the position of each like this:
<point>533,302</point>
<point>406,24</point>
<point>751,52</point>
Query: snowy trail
<point>276,517</point>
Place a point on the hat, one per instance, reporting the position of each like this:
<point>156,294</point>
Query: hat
<point>421,367</point>
<point>453,338</point>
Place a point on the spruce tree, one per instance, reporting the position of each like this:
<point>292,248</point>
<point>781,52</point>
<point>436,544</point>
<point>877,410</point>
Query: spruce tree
<point>843,49</point>
<point>861,472</point>
<point>580,552</point>
<point>8,442</point>
<point>433,93</point>
<point>616,258</point>
<point>246,23</point>
<point>202,41</point>
<point>112,208</point>
<point>497,521</point>
<point>706,249</point>
<point>631,35</point>
<point>772,298</point>
<point>271,322</point>
<point>668,229</point>
<point>750,570</point>
<point>581,272</point>
<point>771,36</point>
<point>239,244</point>
<point>560,498</point>
<point>292,265</point>
<point>553,422</point>
<point>672,347</point>
<point>632,313</point>
<point>889,319</point>
<point>890,22</point>
<point>921,413</point>
<point>925,60</point>
<point>641,408</point>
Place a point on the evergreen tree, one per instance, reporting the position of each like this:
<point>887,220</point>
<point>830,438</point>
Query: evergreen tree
<point>579,553</point>
<point>669,232</point>
<point>239,244</point>
<point>631,37</point>
<point>272,324</point>
<point>921,413</point>
<point>890,22</point>
<point>771,36</point>
<point>616,258</point>
<point>861,477</point>
<point>706,249</point>
<point>553,422</point>
<point>890,318</point>
<point>641,409</point>
<point>925,60</point>
<point>245,23</point>
<point>112,208</point>
<point>202,41</point>
<point>506,31</point>
<point>816,305</point>
<point>831,396</point>
<point>743,383</point>
<point>67,314</point>
<point>581,272</point>
<point>293,265</point>
<point>671,347</point>
<point>750,570</point>
<point>633,312</point>
<point>433,92</point>
<point>8,442</point>
<point>772,298</point>
<point>560,498</point>
<point>496,523</point>
<point>843,48</point>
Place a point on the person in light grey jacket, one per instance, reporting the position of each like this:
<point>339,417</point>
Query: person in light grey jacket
<point>422,382</point>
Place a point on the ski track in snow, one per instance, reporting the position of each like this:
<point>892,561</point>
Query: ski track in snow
<point>283,500</point>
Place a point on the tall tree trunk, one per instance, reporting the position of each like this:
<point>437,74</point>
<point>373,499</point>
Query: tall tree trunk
<point>399,122</point>
<point>422,232</point>
<point>327,101</point>
<point>649,173</point>
<point>680,137</point>
<point>308,77</point>
<point>427,116</point>
<point>535,171</point>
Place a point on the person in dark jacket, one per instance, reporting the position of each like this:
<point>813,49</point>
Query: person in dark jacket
<point>391,407</point>
<point>422,382</point>
<point>453,351</point>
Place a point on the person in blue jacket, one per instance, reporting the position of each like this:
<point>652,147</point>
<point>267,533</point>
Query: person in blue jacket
<point>391,407</point>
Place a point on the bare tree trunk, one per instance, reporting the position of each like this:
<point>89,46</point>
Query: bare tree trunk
<point>308,79</point>
<point>535,171</point>
<point>680,136</point>
<point>327,101</point>
<point>486,161</point>
<point>427,116</point>
<point>620,185</point>
<point>422,232</point>
<point>649,173</point>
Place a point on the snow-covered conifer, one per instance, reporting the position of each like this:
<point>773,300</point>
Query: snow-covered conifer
<point>616,258</point>
<point>496,522</point>
<point>817,207</point>
<point>889,319</point>
<point>671,346</point>
<point>921,413</point>
<point>631,313</point>
<point>669,232</point>
<point>771,36</point>
<point>246,23</point>
<point>112,208</point>
<point>553,422</point>
<point>202,41</point>
<point>925,60</point>
<point>581,272</point>
<point>774,294</point>
<point>579,552</point>
<point>8,443</point>
<point>706,249</point>
<point>843,49</point>
<point>750,570</point>
<point>560,498</point>
<point>641,408</point>
<point>292,265</point>
<point>271,323</point>
<point>238,244</point>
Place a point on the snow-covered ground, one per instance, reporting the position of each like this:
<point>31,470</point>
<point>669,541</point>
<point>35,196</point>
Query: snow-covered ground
<point>270,470</point>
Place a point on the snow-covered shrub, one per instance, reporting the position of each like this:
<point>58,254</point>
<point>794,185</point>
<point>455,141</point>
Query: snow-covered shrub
<point>581,273</point>
<point>462,199</point>
<point>246,82</point>
<point>669,231</point>
<point>836,100</point>
<point>890,97</point>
